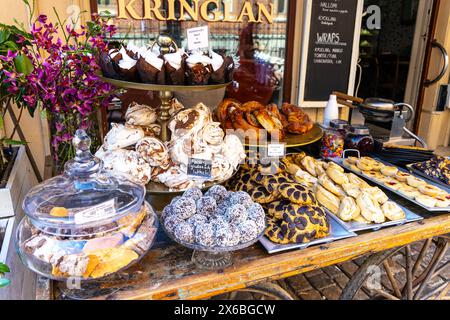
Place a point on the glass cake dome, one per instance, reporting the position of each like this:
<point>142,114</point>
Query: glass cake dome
<point>87,223</point>
<point>85,196</point>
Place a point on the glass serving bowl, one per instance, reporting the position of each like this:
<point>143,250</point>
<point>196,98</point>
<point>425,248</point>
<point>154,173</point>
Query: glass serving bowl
<point>85,224</point>
<point>212,258</point>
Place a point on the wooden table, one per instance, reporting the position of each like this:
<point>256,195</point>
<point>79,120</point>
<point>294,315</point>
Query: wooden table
<point>168,273</point>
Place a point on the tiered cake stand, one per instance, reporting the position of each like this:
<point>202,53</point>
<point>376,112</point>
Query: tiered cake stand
<point>158,194</point>
<point>165,94</point>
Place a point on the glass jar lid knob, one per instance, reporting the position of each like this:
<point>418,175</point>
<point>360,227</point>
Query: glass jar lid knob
<point>84,164</point>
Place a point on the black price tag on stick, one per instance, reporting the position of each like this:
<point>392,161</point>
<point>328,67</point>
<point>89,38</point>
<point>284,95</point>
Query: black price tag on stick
<point>199,168</point>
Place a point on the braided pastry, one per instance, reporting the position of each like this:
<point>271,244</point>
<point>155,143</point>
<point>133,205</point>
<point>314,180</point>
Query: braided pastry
<point>271,123</point>
<point>225,109</point>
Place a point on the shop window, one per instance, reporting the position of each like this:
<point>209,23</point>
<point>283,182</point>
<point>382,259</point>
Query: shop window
<point>259,48</point>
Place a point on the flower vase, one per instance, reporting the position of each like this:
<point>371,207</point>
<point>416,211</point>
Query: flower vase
<point>62,129</point>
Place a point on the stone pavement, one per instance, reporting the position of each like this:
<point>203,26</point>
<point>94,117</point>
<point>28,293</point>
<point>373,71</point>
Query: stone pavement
<point>328,283</point>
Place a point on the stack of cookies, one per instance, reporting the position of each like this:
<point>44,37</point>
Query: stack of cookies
<point>293,213</point>
<point>392,178</point>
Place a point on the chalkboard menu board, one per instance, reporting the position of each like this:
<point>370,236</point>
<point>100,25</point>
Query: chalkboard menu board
<point>330,51</point>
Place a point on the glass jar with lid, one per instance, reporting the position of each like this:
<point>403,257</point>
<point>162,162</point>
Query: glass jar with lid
<point>87,223</point>
<point>334,139</point>
<point>359,138</point>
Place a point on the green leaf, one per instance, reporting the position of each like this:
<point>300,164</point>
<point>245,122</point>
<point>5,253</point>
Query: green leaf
<point>4,35</point>
<point>13,142</point>
<point>4,282</point>
<point>4,268</point>
<point>23,64</point>
<point>11,45</point>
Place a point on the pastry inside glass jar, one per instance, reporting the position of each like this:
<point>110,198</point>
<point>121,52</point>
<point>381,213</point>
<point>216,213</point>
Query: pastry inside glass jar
<point>94,253</point>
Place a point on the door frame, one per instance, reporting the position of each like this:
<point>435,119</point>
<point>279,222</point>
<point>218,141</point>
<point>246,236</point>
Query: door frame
<point>420,55</point>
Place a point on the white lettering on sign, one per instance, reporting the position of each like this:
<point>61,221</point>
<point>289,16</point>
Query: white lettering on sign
<point>276,150</point>
<point>96,213</point>
<point>198,38</point>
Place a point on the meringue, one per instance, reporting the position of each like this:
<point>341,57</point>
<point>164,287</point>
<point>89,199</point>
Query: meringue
<point>120,137</point>
<point>140,115</point>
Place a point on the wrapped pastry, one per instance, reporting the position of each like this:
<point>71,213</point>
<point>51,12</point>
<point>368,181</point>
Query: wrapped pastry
<point>328,184</point>
<point>121,136</point>
<point>175,68</point>
<point>154,152</point>
<point>392,211</point>
<point>370,208</point>
<point>134,51</point>
<point>198,69</point>
<point>140,115</point>
<point>151,68</point>
<point>327,199</point>
<point>348,209</point>
<point>127,67</point>
<point>223,68</point>
<point>109,63</point>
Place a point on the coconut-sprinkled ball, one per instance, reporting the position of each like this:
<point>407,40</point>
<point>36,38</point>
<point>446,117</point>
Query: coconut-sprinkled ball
<point>219,193</point>
<point>236,214</point>
<point>206,206</point>
<point>224,237</point>
<point>184,208</point>
<point>197,219</point>
<point>194,193</point>
<point>256,212</point>
<point>204,235</point>
<point>241,198</point>
<point>184,232</point>
<point>171,222</point>
<point>249,231</point>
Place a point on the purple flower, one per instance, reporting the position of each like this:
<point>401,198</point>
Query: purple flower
<point>10,56</point>
<point>42,18</point>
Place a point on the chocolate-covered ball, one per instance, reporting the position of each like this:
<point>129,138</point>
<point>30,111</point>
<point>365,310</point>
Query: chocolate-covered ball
<point>171,222</point>
<point>194,193</point>
<point>204,235</point>
<point>241,198</point>
<point>249,231</point>
<point>206,206</point>
<point>184,208</point>
<point>184,232</point>
<point>218,192</point>
<point>197,219</point>
<point>236,214</point>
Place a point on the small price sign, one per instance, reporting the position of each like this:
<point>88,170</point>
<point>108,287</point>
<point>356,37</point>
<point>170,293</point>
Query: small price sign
<point>99,212</point>
<point>198,38</point>
<point>199,168</point>
<point>276,150</point>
